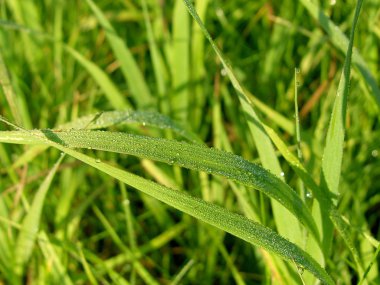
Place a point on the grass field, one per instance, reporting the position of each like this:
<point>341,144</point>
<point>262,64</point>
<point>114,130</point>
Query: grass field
<point>189,142</point>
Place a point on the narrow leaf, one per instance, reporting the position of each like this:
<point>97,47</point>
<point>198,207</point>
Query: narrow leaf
<point>192,156</point>
<point>212,214</point>
<point>108,87</point>
<point>129,67</point>
<point>31,222</point>
<point>339,40</point>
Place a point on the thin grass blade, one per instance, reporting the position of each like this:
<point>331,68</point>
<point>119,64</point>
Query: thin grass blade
<point>111,118</point>
<point>129,67</point>
<point>57,269</point>
<point>333,152</point>
<point>6,86</point>
<point>31,222</point>
<point>108,87</point>
<point>286,223</point>
<point>180,62</point>
<point>192,156</point>
<point>212,214</point>
<point>340,41</point>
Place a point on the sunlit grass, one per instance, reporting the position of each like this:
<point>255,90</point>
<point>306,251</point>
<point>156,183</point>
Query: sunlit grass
<point>193,107</point>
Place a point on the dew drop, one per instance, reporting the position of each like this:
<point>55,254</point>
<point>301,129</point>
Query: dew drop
<point>282,174</point>
<point>375,153</point>
<point>126,202</point>
<point>300,268</point>
<point>223,72</point>
<point>309,195</point>
<point>144,124</point>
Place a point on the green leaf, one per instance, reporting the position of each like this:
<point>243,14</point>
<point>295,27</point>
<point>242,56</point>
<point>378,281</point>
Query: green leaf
<point>340,41</point>
<point>285,223</point>
<point>192,156</point>
<point>107,119</point>
<point>212,214</point>
<point>129,67</point>
<point>31,222</point>
<point>180,62</point>
<point>108,87</point>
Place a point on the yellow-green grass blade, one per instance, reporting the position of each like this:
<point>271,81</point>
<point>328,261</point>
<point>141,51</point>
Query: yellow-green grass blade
<point>297,166</point>
<point>344,231</point>
<point>86,266</point>
<point>340,41</point>
<point>333,152</point>
<point>328,210</point>
<point>142,271</point>
<point>112,118</point>
<point>56,271</point>
<point>6,86</point>
<point>15,101</point>
<point>372,264</point>
<point>160,72</point>
<point>285,223</point>
<point>129,67</point>
<point>209,213</point>
<point>107,119</point>
<point>114,96</point>
<point>31,223</point>
<point>6,244</point>
<point>109,89</point>
<point>198,67</point>
<point>192,156</point>
<point>180,63</point>
<point>212,214</point>
<point>180,277</point>
<point>273,115</point>
<point>217,216</point>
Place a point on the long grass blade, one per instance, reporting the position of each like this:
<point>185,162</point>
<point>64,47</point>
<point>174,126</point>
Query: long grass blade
<point>129,67</point>
<point>212,214</point>
<point>6,86</point>
<point>31,222</point>
<point>108,87</point>
<point>112,118</point>
<point>58,272</point>
<point>180,61</point>
<point>333,152</point>
<point>192,156</point>
<point>340,41</point>
<point>285,223</point>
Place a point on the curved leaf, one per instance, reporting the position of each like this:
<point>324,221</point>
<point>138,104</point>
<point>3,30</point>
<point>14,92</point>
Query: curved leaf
<point>111,118</point>
<point>212,214</point>
<point>192,156</point>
